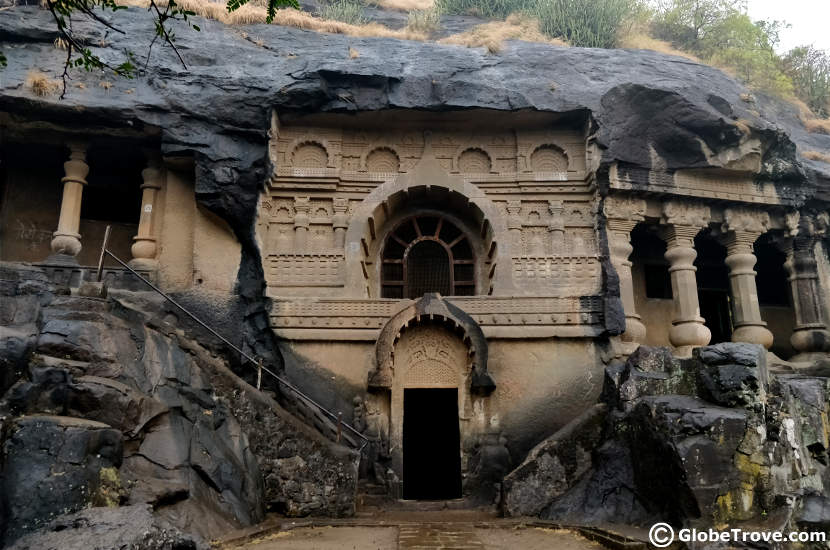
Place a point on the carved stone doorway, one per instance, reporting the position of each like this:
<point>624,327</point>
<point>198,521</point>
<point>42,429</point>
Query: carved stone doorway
<point>431,444</point>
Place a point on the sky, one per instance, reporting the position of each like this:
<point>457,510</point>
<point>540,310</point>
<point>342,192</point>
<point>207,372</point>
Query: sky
<point>809,21</point>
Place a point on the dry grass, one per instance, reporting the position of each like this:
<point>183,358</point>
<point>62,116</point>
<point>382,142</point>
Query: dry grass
<point>288,17</point>
<point>641,41</point>
<point>425,21</point>
<point>817,155</point>
<point>353,53</point>
<point>405,5</point>
<point>492,35</point>
<point>817,125</point>
<point>41,85</point>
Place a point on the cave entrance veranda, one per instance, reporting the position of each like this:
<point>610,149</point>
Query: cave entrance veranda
<point>431,444</point>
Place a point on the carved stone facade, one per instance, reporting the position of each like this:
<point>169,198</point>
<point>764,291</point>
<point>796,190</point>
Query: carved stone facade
<point>549,265</point>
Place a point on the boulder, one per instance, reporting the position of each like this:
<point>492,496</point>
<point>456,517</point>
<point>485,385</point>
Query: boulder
<point>132,527</point>
<point>55,464</point>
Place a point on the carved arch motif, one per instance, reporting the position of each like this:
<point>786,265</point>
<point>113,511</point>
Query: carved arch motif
<point>548,158</point>
<point>434,309</point>
<point>310,154</point>
<point>383,160</point>
<point>474,161</point>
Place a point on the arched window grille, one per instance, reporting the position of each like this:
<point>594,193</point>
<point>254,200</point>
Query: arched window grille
<point>427,253</point>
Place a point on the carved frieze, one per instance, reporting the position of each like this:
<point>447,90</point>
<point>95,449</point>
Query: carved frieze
<point>683,213</point>
<point>307,270</point>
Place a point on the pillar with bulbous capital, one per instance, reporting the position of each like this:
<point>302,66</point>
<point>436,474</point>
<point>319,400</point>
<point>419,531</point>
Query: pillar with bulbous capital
<point>619,243</point>
<point>145,247</point>
<point>66,240</point>
<point>810,336</point>
<point>688,329</point>
<point>749,326</point>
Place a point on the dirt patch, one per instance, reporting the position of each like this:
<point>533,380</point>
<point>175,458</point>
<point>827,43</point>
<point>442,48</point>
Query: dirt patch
<point>327,538</point>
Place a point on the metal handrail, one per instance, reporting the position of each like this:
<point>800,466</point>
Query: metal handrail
<point>338,418</point>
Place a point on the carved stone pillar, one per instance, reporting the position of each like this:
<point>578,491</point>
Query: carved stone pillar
<point>514,225</point>
<point>683,221</point>
<point>810,336</point>
<point>556,227</point>
<point>302,207</point>
<point>741,229</point>
<point>340,221</point>
<point>145,247</point>
<point>622,215</point>
<point>66,240</point>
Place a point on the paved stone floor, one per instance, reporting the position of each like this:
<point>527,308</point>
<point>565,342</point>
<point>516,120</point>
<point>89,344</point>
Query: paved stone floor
<point>449,536</point>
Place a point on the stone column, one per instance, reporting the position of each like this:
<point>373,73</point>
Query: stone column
<point>145,247</point>
<point>340,221</point>
<point>66,240</point>
<point>682,222</point>
<point>622,215</point>
<point>302,207</point>
<point>514,225</point>
<point>810,337</point>
<point>741,228</point>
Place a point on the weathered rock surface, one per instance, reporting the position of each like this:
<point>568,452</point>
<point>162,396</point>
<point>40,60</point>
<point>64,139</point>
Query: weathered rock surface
<point>132,527</point>
<point>711,440</point>
<point>115,406</point>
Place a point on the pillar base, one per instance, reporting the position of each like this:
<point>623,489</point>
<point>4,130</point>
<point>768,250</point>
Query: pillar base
<point>753,334</point>
<point>810,357</point>
<point>143,264</point>
<point>811,339</point>
<point>635,330</point>
<point>65,260</point>
<point>685,335</point>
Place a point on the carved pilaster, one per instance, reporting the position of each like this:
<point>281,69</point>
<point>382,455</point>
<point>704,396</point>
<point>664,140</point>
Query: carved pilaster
<point>514,224</point>
<point>741,228</point>
<point>556,227</point>
<point>66,240</point>
<point>302,207</point>
<point>623,214</point>
<point>810,336</point>
<point>682,223</point>
<point>340,221</point>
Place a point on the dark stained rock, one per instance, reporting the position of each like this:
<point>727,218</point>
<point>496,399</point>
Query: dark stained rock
<point>554,465</point>
<point>53,465</point>
<point>132,527</point>
<point>709,441</point>
<point>207,451</point>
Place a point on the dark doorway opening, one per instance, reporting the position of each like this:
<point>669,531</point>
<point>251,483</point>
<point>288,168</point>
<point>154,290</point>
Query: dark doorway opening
<point>713,291</point>
<point>431,444</point>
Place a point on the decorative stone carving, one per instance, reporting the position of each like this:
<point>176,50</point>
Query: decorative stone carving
<point>66,241</point>
<point>384,160</point>
<point>340,221</point>
<point>302,207</point>
<point>556,226</point>
<point>310,155</point>
<point>306,270</point>
<point>474,161</point>
<point>686,213</point>
<point>548,158</point>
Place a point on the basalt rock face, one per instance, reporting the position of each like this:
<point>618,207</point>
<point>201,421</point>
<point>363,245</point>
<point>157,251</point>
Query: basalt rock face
<point>711,440</point>
<point>115,406</point>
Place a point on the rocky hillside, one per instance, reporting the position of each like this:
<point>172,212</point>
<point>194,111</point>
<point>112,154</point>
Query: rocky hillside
<point>105,402</point>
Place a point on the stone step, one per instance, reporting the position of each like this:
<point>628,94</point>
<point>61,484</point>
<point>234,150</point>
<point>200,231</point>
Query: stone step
<point>367,501</point>
<point>371,488</point>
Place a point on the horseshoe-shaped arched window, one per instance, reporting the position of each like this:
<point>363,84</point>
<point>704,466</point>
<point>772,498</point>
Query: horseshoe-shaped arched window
<point>427,253</point>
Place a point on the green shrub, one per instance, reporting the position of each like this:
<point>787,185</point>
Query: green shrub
<point>347,11</point>
<point>483,8</point>
<point>809,69</point>
<point>426,21</point>
<point>585,23</point>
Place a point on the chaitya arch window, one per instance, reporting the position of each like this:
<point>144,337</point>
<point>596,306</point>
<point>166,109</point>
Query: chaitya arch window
<point>427,253</point>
